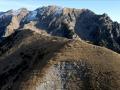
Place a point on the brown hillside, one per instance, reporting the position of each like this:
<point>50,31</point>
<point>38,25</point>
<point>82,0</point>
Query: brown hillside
<point>38,62</point>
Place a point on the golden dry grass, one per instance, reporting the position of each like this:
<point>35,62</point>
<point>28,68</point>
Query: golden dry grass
<point>35,54</point>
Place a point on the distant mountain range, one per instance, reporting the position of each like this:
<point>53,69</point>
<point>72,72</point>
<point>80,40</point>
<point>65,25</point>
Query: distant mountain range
<point>55,48</point>
<point>64,22</point>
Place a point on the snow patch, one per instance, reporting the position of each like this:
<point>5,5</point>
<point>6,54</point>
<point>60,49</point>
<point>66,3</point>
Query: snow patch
<point>32,15</point>
<point>55,9</point>
<point>58,11</point>
<point>16,12</point>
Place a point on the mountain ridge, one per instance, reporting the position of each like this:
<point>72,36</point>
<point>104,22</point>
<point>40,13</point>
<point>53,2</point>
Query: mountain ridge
<point>54,48</point>
<point>64,22</point>
<point>40,62</point>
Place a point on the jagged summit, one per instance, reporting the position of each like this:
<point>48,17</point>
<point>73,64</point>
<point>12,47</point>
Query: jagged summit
<point>64,22</point>
<point>14,12</point>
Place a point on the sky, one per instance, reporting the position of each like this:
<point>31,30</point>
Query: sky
<point>111,7</point>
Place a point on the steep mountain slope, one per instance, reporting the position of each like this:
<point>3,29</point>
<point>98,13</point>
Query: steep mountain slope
<point>65,22</point>
<point>98,29</point>
<point>37,62</point>
<point>10,21</point>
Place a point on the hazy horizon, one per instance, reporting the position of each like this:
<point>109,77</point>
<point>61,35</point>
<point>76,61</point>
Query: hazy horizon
<point>99,7</point>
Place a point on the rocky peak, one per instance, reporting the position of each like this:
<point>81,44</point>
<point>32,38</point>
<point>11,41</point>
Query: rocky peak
<point>65,22</point>
<point>19,11</point>
<point>11,21</point>
<point>14,12</point>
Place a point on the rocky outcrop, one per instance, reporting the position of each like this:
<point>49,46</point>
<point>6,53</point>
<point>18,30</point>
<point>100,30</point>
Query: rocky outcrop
<point>58,21</point>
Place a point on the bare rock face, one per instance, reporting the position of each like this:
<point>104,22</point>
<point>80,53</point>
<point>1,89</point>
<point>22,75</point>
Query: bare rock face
<point>13,25</point>
<point>99,30</point>
<point>72,23</point>
<point>58,21</point>
<point>10,21</point>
